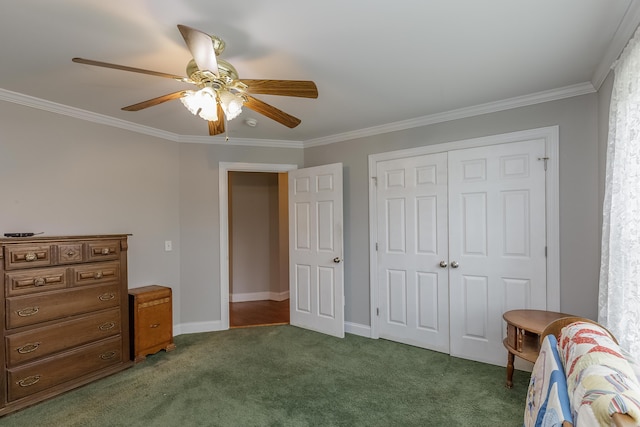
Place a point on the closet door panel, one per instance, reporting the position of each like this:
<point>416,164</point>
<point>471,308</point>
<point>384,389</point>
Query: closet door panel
<point>412,231</point>
<point>496,241</point>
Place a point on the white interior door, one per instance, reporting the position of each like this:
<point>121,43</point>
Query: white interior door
<point>411,197</point>
<point>496,242</point>
<point>316,269</point>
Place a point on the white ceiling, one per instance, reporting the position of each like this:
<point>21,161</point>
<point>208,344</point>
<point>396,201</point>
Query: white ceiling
<point>377,64</point>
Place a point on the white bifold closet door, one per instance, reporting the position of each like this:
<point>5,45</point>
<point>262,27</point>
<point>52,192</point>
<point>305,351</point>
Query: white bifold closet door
<point>461,239</point>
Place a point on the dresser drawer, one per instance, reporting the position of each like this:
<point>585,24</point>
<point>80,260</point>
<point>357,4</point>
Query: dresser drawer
<point>28,255</point>
<point>32,309</point>
<point>37,343</point>
<point>36,280</point>
<point>39,376</point>
<point>103,250</point>
<point>69,253</point>
<point>92,274</point>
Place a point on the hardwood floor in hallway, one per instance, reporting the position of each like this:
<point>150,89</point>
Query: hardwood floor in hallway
<point>258,313</point>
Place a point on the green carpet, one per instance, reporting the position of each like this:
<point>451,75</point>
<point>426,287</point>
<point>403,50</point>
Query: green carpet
<point>287,376</point>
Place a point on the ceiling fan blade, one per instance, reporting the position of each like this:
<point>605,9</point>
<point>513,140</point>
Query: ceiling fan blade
<point>299,88</point>
<point>154,101</point>
<point>125,68</point>
<point>217,127</point>
<point>271,112</point>
<point>201,47</point>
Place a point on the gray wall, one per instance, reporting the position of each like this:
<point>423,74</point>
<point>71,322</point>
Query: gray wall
<point>579,200</point>
<point>67,176</point>
<point>199,220</point>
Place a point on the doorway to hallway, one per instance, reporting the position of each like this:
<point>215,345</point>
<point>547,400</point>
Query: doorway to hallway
<point>258,313</point>
<point>258,249</point>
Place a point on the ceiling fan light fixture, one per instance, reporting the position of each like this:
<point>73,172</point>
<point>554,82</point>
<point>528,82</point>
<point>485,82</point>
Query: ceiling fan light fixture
<point>202,103</point>
<point>231,104</point>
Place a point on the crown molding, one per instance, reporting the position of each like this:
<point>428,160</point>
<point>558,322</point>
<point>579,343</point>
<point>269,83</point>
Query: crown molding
<point>461,113</point>
<point>623,34</point>
<point>77,113</point>
<point>491,107</point>
<point>65,110</point>
<point>248,142</point>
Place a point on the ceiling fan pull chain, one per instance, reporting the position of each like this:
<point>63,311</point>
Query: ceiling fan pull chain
<point>226,129</point>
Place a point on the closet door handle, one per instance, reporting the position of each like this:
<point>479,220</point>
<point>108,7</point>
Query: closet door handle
<point>454,264</point>
<point>443,264</point>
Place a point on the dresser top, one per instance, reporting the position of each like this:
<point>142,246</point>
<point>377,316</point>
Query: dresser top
<point>44,238</point>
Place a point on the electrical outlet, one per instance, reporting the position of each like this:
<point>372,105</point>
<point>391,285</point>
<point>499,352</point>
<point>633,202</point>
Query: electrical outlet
<point>168,246</point>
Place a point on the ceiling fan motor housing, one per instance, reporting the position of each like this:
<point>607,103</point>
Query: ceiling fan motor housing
<point>226,75</point>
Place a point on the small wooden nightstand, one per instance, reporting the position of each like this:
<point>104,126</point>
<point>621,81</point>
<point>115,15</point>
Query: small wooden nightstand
<point>150,320</point>
<point>523,335</point>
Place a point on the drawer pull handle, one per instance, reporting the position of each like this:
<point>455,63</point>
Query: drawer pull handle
<point>107,297</point>
<point>106,326</point>
<point>97,275</point>
<point>105,251</point>
<point>108,355</point>
<point>38,282</point>
<point>70,254</point>
<point>28,348</point>
<point>155,325</point>
<point>26,382</point>
<point>30,256</point>
<point>29,311</point>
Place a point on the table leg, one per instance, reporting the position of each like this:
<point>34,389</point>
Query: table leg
<point>510,360</point>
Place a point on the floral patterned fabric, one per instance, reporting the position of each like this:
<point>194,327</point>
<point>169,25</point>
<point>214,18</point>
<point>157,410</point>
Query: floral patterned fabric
<point>600,380</point>
<point>547,398</point>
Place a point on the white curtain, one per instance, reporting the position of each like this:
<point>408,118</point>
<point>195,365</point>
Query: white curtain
<point>619,295</point>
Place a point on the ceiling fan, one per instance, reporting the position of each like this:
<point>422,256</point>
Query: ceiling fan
<point>221,93</point>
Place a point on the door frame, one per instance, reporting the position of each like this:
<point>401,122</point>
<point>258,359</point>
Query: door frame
<point>551,137</point>
<point>223,201</point>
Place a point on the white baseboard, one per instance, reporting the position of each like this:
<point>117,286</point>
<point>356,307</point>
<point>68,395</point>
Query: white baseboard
<point>216,325</point>
<point>357,329</point>
<point>196,327</point>
<point>259,296</point>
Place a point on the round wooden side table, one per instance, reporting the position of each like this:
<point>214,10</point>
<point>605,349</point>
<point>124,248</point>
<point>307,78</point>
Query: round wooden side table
<point>523,335</point>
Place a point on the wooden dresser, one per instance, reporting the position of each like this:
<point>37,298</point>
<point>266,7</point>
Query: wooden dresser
<point>65,315</point>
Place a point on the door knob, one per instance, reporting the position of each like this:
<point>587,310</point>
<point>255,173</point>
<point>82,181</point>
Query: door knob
<point>443,264</point>
<point>337,260</point>
<point>454,264</point>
